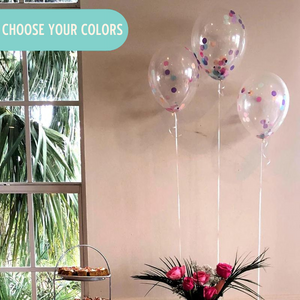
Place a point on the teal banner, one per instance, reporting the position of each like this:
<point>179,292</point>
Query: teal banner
<point>62,29</point>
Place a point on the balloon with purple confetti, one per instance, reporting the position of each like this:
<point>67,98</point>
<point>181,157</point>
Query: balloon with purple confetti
<point>265,99</point>
<point>173,77</point>
<point>221,36</point>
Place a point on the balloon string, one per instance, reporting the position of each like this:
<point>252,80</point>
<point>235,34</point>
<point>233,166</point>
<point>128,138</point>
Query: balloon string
<point>219,171</point>
<point>260,211</point>
<point>265,156</point>
<point>177,181</point>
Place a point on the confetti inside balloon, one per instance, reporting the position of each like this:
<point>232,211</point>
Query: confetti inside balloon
<point>173,77</point>
<point>264,100</point>
<point>224,29</point>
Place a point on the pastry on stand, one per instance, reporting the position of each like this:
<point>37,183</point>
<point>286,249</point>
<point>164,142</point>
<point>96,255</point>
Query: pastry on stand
<point>77,271</point>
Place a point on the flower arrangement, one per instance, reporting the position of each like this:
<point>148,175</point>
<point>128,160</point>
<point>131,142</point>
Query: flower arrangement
<point>193,282</point>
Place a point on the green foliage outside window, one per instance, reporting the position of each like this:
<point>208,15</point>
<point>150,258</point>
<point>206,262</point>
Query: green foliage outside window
<point>55,158</point>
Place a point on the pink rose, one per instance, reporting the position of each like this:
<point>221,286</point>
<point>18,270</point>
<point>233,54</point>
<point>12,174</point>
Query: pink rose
<point>201,277</point>
<point>209,292</point>
<point>224,270</point>
<point>176,273</point>
<point>182,269</point>
<point>220,285</point>
<point>188,283</point>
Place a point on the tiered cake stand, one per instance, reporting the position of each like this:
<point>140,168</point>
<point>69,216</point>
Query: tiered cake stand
<point>81,278</point>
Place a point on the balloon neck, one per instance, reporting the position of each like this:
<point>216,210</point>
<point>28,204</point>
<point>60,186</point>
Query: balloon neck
<point>264,136</point>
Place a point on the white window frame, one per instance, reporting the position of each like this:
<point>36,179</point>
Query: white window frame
<point>29,188</point>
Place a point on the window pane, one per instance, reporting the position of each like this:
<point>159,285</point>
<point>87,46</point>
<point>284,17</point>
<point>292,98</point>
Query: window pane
<point>9,1</point>
<point>12,144</point>
<point>65,290</point>
<point>53,75</point>
<point>14,241</point>
<point>56,228</point>
<point>15,286</point>
<point>55,133</point>
<point>11,76</point>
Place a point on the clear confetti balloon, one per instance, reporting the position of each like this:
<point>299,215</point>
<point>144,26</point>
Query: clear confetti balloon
<point>263,104</point>
<point>173,77</point>
<point>218,40</point>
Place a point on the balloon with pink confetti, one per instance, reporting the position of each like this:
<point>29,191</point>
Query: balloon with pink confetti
<point>263,104</point>
<point>218,40</point>
<point>173,77</point>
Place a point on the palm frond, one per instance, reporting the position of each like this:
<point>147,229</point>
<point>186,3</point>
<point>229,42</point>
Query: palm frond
<point>241,267</point>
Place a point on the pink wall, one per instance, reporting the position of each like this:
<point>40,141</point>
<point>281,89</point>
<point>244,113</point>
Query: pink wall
<point>130,156</point>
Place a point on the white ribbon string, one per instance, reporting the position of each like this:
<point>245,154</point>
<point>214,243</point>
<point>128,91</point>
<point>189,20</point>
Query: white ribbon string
<point>219,170</point>
<point>262,155</point>
<point>265,155</point>
<point>177,182</point>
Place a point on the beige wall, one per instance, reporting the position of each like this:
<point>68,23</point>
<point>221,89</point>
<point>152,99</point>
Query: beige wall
<point>131,162</point>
